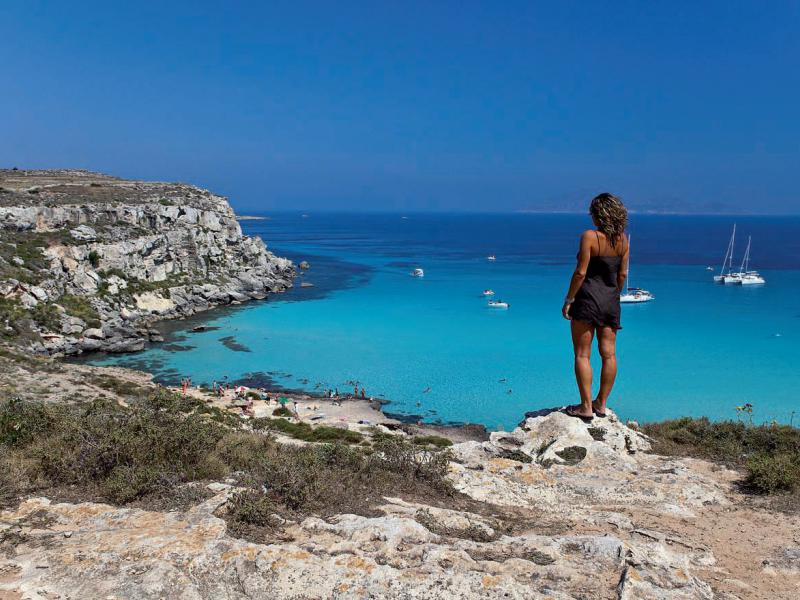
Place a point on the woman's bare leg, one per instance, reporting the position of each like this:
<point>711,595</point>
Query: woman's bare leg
<point>607,344</point>
<point>582,335</point>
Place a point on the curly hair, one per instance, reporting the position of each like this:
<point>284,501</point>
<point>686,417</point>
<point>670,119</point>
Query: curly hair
<point>610,216</point>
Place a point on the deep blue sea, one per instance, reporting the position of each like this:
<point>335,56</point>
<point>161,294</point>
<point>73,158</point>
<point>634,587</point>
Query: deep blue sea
<point>433,348</point>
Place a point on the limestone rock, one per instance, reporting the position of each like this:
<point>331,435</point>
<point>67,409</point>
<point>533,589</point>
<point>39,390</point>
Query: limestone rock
<point>84,233</point>
<point>185,239</point>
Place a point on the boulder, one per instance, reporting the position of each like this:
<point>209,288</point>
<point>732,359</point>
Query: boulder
<point>94,333</point>
<point>83,233</point>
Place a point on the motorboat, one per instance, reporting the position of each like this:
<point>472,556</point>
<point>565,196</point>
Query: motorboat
<point>634,295</point>
<point>491,257</point>
<point>488,292</point>
<point>497,304</point>
<point>418,272</point>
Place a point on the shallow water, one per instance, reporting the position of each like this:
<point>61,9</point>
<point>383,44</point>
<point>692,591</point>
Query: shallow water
<point>435,350</point>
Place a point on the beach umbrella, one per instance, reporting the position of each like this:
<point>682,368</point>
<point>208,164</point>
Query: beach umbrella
<point>283,400</point>
<point>240,389</point>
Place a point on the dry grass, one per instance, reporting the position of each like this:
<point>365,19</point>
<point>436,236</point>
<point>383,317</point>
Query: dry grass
<point>148,455</point>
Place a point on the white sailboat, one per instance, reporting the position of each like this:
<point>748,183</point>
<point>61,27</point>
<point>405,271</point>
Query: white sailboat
<point>726,274</point>
<point>746,276</point>
<point>634,295</point>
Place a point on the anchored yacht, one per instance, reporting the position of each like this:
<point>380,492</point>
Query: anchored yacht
<point>634,295</point>
<point>747,277</point>
<point>726,274</point>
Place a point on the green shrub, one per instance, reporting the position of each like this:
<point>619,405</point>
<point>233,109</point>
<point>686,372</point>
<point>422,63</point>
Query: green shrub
<point>281,411</point>
<point>730,442</point>
<point>94,258</point>
<point>431,440</point>
<point>166,202</point>
<point>768,473</point>
<point>305,432</point>
<point>47,316</point>
<point>81,307</point>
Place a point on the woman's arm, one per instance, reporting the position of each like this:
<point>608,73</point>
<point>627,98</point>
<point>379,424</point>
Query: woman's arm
<point>584,254</point>
<point>623,267</point>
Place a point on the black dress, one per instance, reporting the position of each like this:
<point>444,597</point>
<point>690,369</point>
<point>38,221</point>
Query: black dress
<point>597,301</point>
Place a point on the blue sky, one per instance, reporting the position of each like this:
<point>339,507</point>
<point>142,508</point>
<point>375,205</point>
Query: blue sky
<point>685,106</point>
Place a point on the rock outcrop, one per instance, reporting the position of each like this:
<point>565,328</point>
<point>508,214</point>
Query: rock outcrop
<point>593,516</point>
<point>94,260</point>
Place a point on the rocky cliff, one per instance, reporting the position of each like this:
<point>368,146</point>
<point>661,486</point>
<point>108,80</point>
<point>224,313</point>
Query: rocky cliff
<point>88,261</point>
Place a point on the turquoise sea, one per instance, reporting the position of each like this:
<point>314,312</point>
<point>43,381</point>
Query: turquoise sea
<point>436,352</point>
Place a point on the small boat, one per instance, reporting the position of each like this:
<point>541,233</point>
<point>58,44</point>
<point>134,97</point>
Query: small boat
<point>634,295</point>
<point>418,272</point>
<point>491,257</point>
<point>709,268</point>
<point>488,292</point>
<point>497,304</point>
<point>746,276</point>
<point>726,274</point>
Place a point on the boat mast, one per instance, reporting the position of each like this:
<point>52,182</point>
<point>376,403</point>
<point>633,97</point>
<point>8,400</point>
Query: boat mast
<point>728,260</point>
<point>746,260</point>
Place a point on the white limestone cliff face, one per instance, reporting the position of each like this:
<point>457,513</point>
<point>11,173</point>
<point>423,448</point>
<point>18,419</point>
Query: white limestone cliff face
<point>605,526</point>
<point>137,251</point>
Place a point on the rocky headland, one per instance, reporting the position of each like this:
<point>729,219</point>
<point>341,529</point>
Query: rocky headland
<point>89,262</point>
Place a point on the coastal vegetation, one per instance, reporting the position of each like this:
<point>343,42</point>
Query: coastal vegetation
<point>151,453</point>
<point>768,454</point>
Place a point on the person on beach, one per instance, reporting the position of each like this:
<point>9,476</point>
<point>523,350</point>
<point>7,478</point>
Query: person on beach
<point>592,301</point>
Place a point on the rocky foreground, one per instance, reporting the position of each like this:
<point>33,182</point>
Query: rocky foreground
<point>562,511</point>
<point>89,261</point>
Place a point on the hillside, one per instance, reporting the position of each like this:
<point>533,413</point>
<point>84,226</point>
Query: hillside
<point>89,261</point>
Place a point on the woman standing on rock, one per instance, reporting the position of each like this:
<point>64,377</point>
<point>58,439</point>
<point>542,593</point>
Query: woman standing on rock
<point>592,302</point>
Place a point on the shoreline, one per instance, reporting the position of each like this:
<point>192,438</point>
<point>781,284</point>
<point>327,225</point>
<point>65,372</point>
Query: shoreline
<point>346,412</point>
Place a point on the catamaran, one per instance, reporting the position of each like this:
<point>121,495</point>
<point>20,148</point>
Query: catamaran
<point>726,274</point>
<point>634,295</point>
<point>747,277</point>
